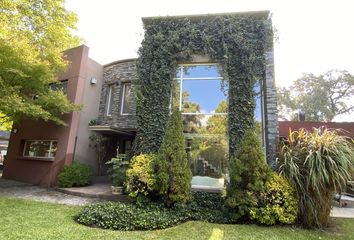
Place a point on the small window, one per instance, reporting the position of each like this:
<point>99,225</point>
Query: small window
<point>109,101</point>
<point>59,86</point>
<point>40,148</point>
<point>126,99</point>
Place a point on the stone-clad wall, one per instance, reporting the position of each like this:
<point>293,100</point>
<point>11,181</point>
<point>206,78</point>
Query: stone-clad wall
<point>120,72</point>
<point>116,74</point>
<point>271,112</point>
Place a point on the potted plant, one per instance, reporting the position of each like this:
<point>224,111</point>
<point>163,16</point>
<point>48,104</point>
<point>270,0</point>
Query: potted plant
<point>117,172</point>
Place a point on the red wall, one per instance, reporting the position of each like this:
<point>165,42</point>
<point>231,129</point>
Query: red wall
<point>39,171</point>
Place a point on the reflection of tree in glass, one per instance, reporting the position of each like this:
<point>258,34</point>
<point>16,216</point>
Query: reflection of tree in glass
<point>213,147</point>
<point>191,122</point>
<point>217,124</point>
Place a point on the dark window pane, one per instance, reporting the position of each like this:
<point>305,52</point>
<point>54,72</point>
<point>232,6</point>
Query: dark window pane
<point>110,100</point>
<point>127,98</point>
<point>60,86</point>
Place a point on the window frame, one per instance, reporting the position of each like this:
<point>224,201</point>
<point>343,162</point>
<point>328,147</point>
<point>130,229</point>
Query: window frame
<point>42,140</point>
<point>109,101</point>
<point>180,79</point>
<point>124,85</point>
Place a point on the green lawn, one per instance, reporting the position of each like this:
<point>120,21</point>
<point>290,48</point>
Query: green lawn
<point>23,219</point>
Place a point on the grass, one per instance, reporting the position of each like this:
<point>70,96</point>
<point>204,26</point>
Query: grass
<point>24,219</point>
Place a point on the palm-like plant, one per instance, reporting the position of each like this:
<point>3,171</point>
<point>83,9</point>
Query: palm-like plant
<point>318,164</point>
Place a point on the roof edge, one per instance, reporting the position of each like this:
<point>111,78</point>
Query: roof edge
<point>263,13</point>
<point>120,61</point>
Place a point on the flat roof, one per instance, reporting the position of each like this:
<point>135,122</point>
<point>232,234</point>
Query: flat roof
<point>261,14</point>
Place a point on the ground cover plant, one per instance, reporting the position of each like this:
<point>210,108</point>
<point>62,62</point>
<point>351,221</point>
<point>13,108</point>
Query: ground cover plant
<point>25,219</point>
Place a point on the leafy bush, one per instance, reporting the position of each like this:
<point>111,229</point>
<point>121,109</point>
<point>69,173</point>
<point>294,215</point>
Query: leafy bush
<point>173,173</point>
<point>141,177</point>
<point>317,164</point>
<point>150,216</point>
<point>248,175</point>
<point>118,169</point>
<point>120,216</point>
<point>278,204</point>
<point>75,175</point>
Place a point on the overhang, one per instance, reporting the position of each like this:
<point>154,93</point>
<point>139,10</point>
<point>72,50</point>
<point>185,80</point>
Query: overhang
<point>112,130</point>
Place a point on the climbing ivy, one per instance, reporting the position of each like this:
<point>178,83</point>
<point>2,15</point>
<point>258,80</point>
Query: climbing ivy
<point>236,41</point>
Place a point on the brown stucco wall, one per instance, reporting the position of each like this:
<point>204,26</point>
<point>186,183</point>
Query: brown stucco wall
<point>44,172</point>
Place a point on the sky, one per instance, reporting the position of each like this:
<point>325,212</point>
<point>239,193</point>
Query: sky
<point>313,36</point>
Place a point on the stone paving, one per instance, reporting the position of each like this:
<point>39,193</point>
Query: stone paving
<point>9,188</point>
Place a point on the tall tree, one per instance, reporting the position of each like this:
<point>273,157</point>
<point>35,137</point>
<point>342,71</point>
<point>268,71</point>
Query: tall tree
<point>33,34</point>
<point>321,97</point>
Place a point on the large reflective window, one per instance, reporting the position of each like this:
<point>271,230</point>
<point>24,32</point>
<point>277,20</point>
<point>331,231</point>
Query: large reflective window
<point>201,94</point>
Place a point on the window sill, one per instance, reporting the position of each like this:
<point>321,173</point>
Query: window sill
<point>44,159</point>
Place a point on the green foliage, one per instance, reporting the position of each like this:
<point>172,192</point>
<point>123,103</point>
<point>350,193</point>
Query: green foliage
<point>5,123</point>
<point>141,178</point>
<point>150,216</point>
<point>174,174</point>
<point>52,221</point>
<point>277,204</point>
<point>128,217</point>
<point>249,173</point>
<point>318,164</point>
<point>33,35</point>
<point>118,169</point>
<point>321,97</point>
<point>75,175</point>
<point>237,42</point>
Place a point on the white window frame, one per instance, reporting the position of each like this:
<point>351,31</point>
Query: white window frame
<point>109,100</point>
<point>42,140</point>
<point>122,98</point>
<point>180,79</point>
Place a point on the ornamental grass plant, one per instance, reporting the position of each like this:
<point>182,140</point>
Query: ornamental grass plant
<point>318,164</point>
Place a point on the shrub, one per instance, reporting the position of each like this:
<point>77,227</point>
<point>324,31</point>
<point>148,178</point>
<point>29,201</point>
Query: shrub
<point>248,175</point>
<point>173,171</point>
<point>75,175</point>
<point>278,204</point>
<point>317,164</point>
<point>141,177</point>
<point>151,216</point>
<point>118,169</point>
<point>120,216</point>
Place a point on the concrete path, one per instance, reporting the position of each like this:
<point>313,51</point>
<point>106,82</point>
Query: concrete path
<point>9,188</point>
<point>343,212</point>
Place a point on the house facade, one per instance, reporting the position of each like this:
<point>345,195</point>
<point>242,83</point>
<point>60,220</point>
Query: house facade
<point>109,108</point>
<point>38,150</point>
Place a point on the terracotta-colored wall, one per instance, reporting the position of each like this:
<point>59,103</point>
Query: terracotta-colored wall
<point>284,126</point>
<point>43,172</point>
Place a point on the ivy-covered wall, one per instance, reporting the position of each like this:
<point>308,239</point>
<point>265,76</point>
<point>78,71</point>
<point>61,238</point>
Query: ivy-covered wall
<point>238,42</point>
